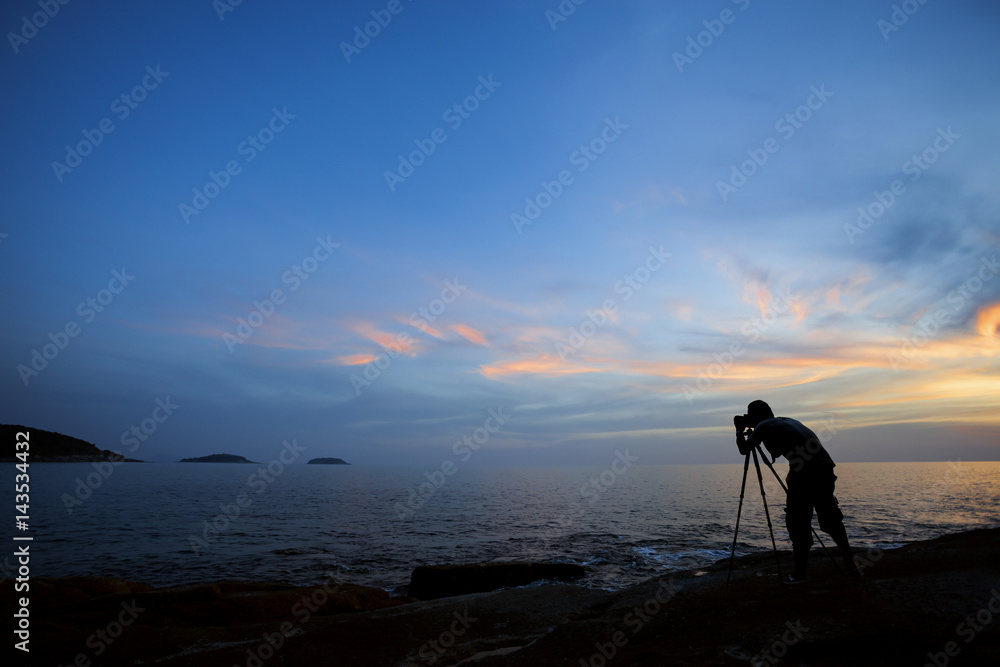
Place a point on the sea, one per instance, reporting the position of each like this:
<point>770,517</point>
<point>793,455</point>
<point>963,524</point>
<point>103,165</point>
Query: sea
<point>177,523</point>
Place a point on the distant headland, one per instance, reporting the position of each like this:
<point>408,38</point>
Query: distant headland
<point>51,447</point>
<point>218,458</point>
<point>330,461</point>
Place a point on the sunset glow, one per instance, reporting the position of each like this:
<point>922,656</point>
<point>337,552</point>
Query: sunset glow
<point>481,210</point>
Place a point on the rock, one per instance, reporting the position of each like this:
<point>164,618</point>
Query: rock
<point>912,602</point>
<point>48,593</point>
<point>164,621</point>
<point>439,581</point>
<point>330,461</point>
<point>73,601</point>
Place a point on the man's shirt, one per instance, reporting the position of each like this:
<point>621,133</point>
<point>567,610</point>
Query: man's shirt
<point>784,436</point>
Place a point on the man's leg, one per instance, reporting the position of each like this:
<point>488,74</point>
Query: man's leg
<point>798,520</point>
<point>831,522</point>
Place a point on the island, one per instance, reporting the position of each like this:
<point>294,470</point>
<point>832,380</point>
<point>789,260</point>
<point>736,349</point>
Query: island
<point>218,458</point>
<point>51,447</point>
<point>330,461</point>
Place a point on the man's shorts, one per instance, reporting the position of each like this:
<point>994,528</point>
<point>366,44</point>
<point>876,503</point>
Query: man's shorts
<point>808,490</point>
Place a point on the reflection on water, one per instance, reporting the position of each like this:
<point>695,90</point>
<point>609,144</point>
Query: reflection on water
<point>313,519</point>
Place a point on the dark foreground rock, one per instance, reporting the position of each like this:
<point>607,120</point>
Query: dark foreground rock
<point>931,597</point>
<point>431,582</point>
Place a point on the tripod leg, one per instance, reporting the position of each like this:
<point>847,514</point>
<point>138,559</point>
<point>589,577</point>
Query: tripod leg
<point>732,553</point>
<point>767,514</point>
<point>815,534</point>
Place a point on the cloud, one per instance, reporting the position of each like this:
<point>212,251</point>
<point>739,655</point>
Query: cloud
<point>469,334</point>
<point>355,359</point>
<point>398,342</point>
<point>682,310</point>
<point>542,364</point>
<point>422,325</point>
<point>988,320</point>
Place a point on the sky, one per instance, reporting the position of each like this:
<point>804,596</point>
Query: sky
<point>533,233</point>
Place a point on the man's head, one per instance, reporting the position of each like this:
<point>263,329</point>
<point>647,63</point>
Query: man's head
<point>758,411</point>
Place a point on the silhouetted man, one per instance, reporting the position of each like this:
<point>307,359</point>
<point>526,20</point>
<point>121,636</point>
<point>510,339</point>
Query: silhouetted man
<point>810,481</point>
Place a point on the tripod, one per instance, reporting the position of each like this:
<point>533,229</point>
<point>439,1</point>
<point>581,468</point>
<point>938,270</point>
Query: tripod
<point>767,513</point>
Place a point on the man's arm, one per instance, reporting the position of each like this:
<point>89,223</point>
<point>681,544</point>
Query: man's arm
<point>746,445</point>
<point>741,440</point>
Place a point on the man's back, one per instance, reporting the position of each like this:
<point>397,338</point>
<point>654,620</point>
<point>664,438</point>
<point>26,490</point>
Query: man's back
<point>784,436</point>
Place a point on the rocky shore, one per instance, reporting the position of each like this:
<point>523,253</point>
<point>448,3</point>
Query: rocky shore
<point>934,602</point>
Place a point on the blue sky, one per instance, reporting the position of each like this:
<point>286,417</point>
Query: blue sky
<point>651,295</point>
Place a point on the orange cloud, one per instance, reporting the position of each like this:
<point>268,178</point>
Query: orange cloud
<point>424,326</point>
<point>543,364</point>
<point>754,292</point>
<point>469,333</point>
<point>988,320</point>
<point>355,359</point>
<point>401,343</point>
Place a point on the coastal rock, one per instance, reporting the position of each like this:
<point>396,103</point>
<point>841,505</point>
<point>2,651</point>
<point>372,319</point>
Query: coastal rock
<point>48,593</point>
<point>912,602</point>
<point>330,461</point>
<point>73,601</point>
<point>438,581</point>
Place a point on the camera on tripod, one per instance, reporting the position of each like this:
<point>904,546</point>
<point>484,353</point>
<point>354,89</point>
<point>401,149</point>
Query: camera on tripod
<point>742,422</point>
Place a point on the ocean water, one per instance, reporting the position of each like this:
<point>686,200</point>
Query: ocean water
<point>178,523</point>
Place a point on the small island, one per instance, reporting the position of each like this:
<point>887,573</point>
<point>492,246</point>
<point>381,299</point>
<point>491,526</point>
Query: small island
<point>218,458</point>
<point>330,461</point>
